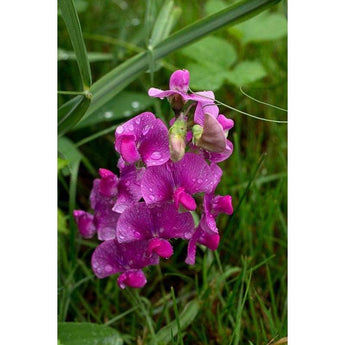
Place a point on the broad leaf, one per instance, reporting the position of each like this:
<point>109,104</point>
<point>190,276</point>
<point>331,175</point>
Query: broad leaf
<point>62,224</point>
<point>246,72</point>
<point>85,333</point>
<point>264,27</point>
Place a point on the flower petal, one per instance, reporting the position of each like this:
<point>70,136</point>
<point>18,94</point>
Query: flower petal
<point>157,184</point>
<point>179,80</point>
<point>161,247</point>
<point>111,257</point>
<point>108,183</point>
<point>132,278</point>
<point>85,223</point>
<point>154,146</point>
<point>194,174</point>
<point>220,157</point>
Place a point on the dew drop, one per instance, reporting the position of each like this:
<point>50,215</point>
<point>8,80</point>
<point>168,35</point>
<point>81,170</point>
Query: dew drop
<point>135,104</point>
<point>193,179</point>
<point>137,120</point>
<point>130,127</point>
<point>130,262</point>
<point>187,235</point>
<point>199,180</point>
<point>151,189</point>
<point>156,155</point>
<point>146,129</point>
<point>127,113</point>
<point>152,197</point>
<point>119,130</point>
<point>108,114</point>
<point>108,268</point>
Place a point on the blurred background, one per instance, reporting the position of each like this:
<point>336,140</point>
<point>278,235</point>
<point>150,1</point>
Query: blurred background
<point>241,289</point>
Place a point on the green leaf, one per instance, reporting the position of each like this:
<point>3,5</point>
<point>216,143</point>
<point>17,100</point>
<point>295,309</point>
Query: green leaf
<point>203,76</point>
<point>70,17</point>
<point>72,112</point>
<point>64,55</point>
<point>85,333</point>
<point>186,317</point>
<point>117,79</point>
<point>246,72</point>
<point>62,224</point>
<point>69,152</point>
<point>125,104</point>
<point>211,51</point>
<point>61,163</point>
<point>159,31</point>
<point>214,6</point>
<point>264,27</point>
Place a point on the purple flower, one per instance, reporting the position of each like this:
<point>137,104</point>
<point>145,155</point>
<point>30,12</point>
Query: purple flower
<point>85,223</point>
<point>143,138</point>
<point>178,181</point>
<point>211,241</point>
<point>178,85</point>
<point>111,257</point>
<point>157,223</point>
<point>105,219</point>
<point>129,186</point>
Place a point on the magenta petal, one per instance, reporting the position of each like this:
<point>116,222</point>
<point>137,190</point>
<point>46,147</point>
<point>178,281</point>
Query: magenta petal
<point>85,223</point>
<point>222,204</point>
<point>132,278</point>
<point>194,174</point>
<point>211,241</point>
<point>183,198</point>
<point>169,223</point>
<point>111,257</point>
<point>161,247</point>
<point>220,157</point>
<point>127,148</point>
<point>157,184</point>
<point>108,184</point>
<point>179,80</point>
<point>134,224</point>
<point>226,123</point>
<point>204,106</point>
<point>217,173</point>
<point>153,92</point>
<point>191,250</point>
<point>105,220</point>
<point>154,147</point>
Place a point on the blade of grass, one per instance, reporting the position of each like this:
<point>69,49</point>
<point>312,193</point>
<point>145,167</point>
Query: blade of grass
<point>121,76</point>
<point>179,333</point>
<point>70,17</point>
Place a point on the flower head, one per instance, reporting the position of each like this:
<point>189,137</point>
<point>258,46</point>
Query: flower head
<point>143,138</point>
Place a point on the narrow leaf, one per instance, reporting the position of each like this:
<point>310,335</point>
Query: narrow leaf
<point>86,333</point>
<point>73,113</point>
<point>70,16</point>
<point>185,319</point>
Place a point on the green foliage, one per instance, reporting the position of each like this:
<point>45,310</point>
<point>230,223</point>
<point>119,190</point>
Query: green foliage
<point>76,333</point>
<point>264,27</point>
<point>246,72</point>
<point>236,295</point>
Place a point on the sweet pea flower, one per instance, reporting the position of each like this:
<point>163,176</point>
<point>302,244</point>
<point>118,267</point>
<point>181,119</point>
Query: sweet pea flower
<point>157,224</point>
<point>85,223</point>
<point>178,90</point>
<point>112,257</point>
<point>129,186</point>
<point>143,138</point>
<point>178,181</point>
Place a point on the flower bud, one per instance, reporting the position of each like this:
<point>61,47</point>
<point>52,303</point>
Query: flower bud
<point>177,142</point>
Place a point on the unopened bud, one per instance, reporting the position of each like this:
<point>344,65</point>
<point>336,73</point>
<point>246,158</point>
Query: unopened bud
<point>177,139</point>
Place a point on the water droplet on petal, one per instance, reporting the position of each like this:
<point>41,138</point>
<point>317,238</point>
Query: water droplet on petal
<point>199,180</point>
<point>119,129</point>
<point>187,235</point>
<point>137,120</point>
<point>146,129</point>
<point>193,179</point>
<point>151,189</point>
<point>108,268</point>
<point>152,197</point>
<point>130,127</point>
<point>156,155</point>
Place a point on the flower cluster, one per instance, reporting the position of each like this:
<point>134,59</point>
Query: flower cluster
<point>164,176</point>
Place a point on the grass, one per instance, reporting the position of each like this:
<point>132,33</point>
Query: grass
<point>236,295</point>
